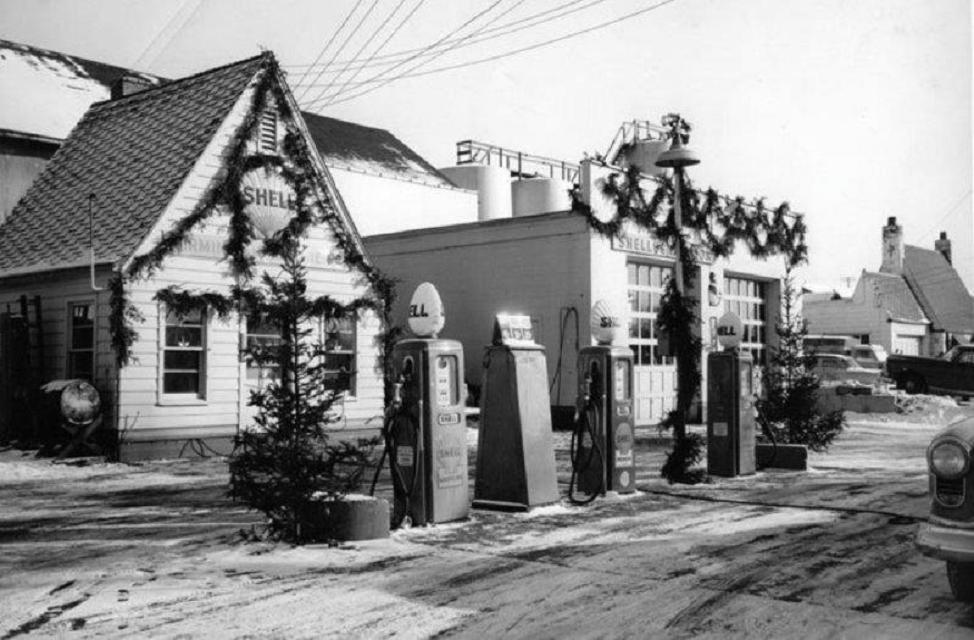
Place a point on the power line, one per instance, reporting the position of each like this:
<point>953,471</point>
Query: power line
<point>422,63</point>
<point>172,33</point>
<point>369,41</point>
<point>504,29</point>
<point>352,35</point>
<point>505,54</point>
<point>413,57</point>
<point>325,48</point>
<point>946,215</point>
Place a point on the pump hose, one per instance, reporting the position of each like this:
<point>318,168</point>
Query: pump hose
<point>402,421</point>
<point>588,419</point>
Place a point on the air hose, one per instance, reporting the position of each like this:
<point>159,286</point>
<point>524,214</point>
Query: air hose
<point>398,421</point>
<point>586,423</point>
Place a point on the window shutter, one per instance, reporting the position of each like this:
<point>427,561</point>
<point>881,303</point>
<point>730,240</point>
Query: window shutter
<point>267,131</point>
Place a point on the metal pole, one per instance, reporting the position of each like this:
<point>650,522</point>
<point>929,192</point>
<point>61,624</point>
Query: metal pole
<point>678,222</point>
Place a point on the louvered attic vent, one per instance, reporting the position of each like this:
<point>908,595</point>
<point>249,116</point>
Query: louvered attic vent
<point>267,132</point>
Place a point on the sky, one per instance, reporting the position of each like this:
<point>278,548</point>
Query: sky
<point>852,111</point>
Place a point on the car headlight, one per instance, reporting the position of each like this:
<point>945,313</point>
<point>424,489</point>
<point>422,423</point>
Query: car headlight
<point>948,459</point>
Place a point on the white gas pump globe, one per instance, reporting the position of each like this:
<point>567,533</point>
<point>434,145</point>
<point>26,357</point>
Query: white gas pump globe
<point>426,317</point>
<point>605,322</point>
<point>730,329</point>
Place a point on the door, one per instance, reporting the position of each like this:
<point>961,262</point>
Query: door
<point>906,345</point>
<point>654,375</point>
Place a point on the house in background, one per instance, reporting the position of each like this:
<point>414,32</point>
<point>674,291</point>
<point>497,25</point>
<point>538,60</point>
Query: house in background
<point>915,304</point>
<point>386,185</point>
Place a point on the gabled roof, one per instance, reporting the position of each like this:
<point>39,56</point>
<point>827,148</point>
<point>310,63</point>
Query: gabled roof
<point>895,296</point>
<point>346,145</point>
<point>46,92</point>
<point>939,290</point>
<point>133,154</point>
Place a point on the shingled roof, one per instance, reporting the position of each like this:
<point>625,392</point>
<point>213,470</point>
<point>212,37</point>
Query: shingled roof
<point>132,154</point>
<point>895,296</point>
<point>939,290</point>
<point>347,145</point>
<point>46,92</point>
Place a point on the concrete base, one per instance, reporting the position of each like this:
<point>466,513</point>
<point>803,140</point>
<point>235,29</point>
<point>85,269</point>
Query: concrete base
<point>786,456</point>
<point>357,518</point>
<point>170,449</point>
<point>850,399</point>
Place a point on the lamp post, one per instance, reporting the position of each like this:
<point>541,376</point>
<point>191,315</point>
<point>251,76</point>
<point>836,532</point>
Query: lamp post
<point>678,157</point>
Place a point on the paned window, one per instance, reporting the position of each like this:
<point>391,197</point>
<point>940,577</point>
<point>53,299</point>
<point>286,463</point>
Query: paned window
<point>184,354</point>
<point>646,283</point>
<point>81,341</point>
<point>263,337</point>
<point>339,344</point>
<point>747,299</point>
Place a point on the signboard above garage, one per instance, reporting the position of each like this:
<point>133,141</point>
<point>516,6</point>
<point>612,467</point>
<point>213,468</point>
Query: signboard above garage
<point>634,239</point>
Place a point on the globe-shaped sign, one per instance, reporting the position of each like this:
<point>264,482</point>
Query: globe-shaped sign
<point>269,201</point>
<point>426,317</point>
<point>80,402</point>
<point>730,329</point>
<point>605,323</point>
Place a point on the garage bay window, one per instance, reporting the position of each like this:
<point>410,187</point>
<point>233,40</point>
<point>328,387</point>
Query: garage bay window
<point>184,354</point>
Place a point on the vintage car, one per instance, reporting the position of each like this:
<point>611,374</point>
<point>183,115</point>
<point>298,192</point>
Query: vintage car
<point>949,534</point>
<point>870,356</point>
<point>835,368</point>
<point>950,374</point>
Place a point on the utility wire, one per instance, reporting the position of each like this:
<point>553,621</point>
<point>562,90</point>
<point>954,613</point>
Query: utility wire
<point>349,38</point>
<point>505,54</point>
<point>325,48</point>
<point>505,29</point>
<point>173,31</point>
<point>369,41</point>
<point>437,43</point>
<point>951,210</point>
<point>434,56</point>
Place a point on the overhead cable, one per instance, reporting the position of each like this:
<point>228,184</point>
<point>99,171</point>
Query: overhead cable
<point>325,48</point>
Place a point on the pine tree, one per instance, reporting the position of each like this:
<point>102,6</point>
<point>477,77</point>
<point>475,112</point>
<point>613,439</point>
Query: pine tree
<point>788,412</point>
<point>285,466</point>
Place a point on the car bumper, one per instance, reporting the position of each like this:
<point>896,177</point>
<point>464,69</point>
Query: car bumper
<point>946,543</point>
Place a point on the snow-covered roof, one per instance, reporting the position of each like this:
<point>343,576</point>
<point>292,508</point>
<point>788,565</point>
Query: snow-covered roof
<point>45,93</point>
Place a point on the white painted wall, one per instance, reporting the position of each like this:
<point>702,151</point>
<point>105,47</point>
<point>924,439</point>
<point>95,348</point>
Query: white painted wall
<point>381,204</point>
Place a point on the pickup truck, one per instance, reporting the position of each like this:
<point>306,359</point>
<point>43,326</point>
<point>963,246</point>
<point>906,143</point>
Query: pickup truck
<point>949,374</point>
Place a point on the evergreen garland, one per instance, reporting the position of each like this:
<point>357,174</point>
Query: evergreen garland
<point>716,223</point>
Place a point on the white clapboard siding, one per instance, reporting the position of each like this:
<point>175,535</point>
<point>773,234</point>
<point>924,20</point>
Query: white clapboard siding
<point>200,266</point>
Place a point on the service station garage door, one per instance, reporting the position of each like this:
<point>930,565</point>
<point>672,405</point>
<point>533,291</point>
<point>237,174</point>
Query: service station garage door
<point>906,345</point>
<point>654,376</point>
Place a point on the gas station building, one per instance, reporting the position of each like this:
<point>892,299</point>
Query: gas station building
<point>530,254</point>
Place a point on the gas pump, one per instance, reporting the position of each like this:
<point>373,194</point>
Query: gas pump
<point>602,441</point>
<point>425,430</point>
<point>730,404</point>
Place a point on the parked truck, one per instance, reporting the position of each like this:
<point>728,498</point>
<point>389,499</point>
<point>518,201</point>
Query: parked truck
<point>949,374</point>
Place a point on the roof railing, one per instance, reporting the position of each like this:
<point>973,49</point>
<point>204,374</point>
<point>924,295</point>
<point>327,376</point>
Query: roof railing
<point>520,164</point>
<point>630,132</point>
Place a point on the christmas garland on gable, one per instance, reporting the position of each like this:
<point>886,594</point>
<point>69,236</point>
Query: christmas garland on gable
<point>300,173</point>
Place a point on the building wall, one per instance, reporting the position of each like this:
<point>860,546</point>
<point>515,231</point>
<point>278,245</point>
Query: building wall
<point>534,265</point>
<point>57,290</point>
<point>385,204</point>
<point>21,161</point>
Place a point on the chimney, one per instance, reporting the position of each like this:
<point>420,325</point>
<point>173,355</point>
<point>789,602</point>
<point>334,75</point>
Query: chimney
<point>129,84</point>
<point>942,244</point>
<point>892,247</point>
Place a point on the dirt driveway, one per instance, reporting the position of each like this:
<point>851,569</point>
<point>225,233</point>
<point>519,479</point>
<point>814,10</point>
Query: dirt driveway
<point>122,551</point>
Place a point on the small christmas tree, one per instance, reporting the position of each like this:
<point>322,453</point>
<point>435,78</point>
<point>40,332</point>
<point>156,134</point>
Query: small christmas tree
<point>788,412</point>
<point>285,466</point>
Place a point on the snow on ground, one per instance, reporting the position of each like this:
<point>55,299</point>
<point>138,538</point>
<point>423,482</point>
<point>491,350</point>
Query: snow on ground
<point>154,550</point>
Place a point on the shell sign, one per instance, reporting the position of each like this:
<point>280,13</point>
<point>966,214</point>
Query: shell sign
<point>426,316</point>
<point>269,201</point>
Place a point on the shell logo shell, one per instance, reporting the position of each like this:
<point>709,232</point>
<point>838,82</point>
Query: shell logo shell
<point>606,324</point>
<point>729,330</point>
<point>269,201</point>
<point>426,316</point>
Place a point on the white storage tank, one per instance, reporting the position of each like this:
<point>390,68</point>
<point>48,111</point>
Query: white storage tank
<point>492,184</point>
<point>540,195</point>
<point>643,154</point>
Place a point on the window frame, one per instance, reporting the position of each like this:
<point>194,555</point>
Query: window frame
<point>351,393</point>
<point>200,396</point>
<point>69,337</point>
<point>657,274</point>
